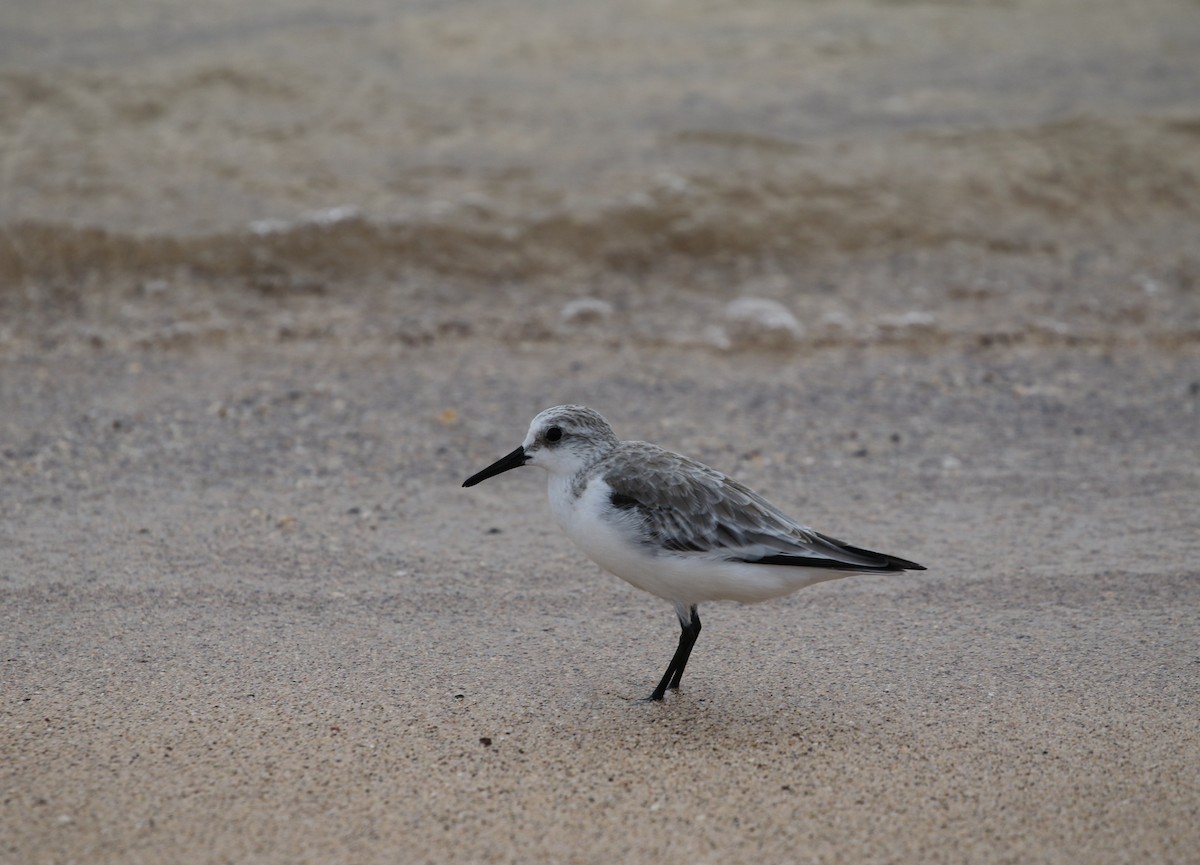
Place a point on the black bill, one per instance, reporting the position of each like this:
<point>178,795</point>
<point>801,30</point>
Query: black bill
<point>514,460</point>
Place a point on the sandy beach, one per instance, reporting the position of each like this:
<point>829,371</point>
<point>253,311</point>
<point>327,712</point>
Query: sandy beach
<point>274,281</point>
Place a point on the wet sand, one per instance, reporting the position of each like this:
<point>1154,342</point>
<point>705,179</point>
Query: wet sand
<point>272,286</point>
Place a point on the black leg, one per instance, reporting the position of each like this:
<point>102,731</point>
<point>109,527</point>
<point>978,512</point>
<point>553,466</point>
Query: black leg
<point>689,631</point>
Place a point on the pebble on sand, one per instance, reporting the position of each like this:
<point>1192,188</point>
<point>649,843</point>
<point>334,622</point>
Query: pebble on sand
<point>586,310</point>
<point>752,322</point>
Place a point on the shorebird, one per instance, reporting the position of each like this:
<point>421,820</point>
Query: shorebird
<point>674,527</point>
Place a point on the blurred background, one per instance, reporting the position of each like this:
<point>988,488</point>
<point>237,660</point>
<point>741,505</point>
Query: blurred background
<point>166,162</point>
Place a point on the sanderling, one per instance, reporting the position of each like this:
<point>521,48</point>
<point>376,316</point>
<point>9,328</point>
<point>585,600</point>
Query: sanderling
<point>674,527</point>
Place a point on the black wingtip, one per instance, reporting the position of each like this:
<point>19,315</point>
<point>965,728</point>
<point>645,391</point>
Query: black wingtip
<point>876,562</point>
<point>888,563</point>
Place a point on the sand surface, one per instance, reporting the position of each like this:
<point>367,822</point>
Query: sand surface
<point>275,278</point>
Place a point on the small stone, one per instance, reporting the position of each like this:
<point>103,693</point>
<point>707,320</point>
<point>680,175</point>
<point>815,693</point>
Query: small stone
<point>913,320</point>
<point>586,310</point>
<point>760,323</point>
<point>333,215</point>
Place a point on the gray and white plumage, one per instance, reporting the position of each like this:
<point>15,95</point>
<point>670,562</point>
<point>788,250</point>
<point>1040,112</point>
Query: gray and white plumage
<point>673,526</point>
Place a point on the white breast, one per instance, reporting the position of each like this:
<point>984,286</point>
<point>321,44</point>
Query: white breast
<point>606,534</point>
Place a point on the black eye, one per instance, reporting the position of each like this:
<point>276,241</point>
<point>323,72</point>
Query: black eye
<point>553,434</point>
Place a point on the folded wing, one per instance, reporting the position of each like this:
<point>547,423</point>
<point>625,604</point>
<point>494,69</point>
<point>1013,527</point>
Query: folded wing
<point>691,509</point>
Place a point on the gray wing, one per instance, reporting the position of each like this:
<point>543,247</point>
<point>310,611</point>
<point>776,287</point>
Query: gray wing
<point>686,507</point>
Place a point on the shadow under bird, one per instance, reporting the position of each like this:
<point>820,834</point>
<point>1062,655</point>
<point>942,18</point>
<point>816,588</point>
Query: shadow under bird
<point>674,527</point>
